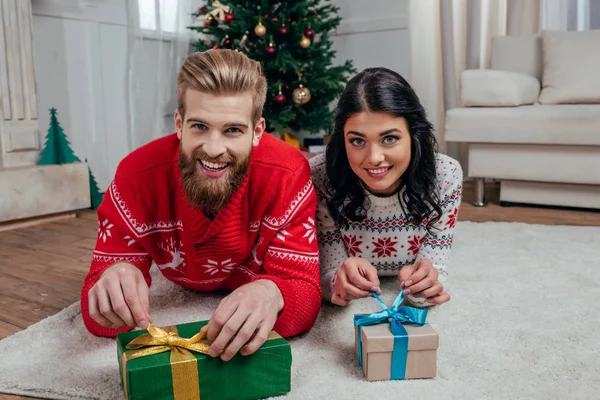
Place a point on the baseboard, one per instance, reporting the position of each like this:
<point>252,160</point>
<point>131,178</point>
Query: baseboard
<point>551,194</point>
<point>27,222</point>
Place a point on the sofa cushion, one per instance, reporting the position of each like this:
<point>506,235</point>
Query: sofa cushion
<point>545,124</point>
<point>493,88</point>
<point>571,67</point>
<point>521,54</point>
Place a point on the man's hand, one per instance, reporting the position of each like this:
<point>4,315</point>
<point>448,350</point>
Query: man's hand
<point>355,278</point>
<point>421,280</point>
<point>120,298</point>
<point>248,313</point>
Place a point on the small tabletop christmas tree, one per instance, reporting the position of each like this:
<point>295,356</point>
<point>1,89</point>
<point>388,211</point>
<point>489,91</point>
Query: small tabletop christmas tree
<point>291,39</point>
<point>57,150</point>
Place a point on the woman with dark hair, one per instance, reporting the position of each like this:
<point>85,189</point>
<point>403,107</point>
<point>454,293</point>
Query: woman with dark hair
<point>388,201</point>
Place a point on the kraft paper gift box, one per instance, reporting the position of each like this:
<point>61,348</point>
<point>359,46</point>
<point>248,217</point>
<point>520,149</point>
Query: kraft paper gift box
<point>171,363</point>
<point>396,343</point>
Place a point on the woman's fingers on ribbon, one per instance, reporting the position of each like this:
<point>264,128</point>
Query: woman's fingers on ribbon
<point>355,277</point>
<point>421,278</point>
<point>439,299</point>
<point>352,292</point>
<point>425,283</point>
<point>230,327</point>
<point>370,273</point>
<point>432,291</point>
<point>405,272</point>
<point>338,300</point>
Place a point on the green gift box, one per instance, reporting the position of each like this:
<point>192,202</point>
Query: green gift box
<point>163,370</point>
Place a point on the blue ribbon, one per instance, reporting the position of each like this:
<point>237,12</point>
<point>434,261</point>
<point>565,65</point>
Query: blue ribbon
<point>397,316</point>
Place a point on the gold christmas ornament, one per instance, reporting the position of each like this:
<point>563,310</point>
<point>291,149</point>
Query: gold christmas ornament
<point>305,42</point>
<point>260,29</point>
<point>301,95</point>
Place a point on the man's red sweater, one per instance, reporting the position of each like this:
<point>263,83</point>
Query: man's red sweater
<point>267,231</point>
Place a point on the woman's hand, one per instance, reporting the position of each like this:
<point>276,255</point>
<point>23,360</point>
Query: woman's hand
<point>354,279</point>
<point>421,280</point>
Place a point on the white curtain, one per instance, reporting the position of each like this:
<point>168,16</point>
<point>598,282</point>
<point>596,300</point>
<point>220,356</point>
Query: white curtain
<point>570,15</point>
<point>158,43</point>
<point>449,36</point>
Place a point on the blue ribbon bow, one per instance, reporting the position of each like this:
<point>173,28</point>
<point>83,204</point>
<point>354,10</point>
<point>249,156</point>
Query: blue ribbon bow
<point>398,316</point>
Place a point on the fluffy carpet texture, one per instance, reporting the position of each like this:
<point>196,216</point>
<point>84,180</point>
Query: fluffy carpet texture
<point>521,324</point>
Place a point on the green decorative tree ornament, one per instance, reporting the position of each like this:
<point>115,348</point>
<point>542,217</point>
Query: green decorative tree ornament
<point>57,149</point>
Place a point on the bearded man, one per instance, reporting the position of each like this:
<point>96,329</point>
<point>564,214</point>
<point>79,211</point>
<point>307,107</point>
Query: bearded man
<point>216,205</point>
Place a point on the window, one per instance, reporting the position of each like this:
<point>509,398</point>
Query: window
<point>166,9</point>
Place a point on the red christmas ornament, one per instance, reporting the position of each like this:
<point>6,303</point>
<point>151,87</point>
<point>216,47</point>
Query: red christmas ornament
<point>280,98</point>
<point>203,9</point>
<point>271,49</point>
<point>217,47</point>
<point>283,30</point>
<point>266,16</point>
<point>309,33</point>
<point>228,17</point>
<point>206,23</point>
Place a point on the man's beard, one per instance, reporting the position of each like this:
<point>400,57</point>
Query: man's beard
<point>211,194</point>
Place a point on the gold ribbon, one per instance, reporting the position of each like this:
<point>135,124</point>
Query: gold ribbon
<point>184,368</point>
<point>219,10</point>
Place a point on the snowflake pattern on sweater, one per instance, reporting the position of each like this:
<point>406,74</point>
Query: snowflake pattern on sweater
<point>386,238</point>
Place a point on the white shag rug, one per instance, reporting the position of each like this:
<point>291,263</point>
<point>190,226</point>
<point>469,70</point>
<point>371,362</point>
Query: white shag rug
<point>521,324</point>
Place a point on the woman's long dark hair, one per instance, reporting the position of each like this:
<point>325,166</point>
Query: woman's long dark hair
<point>383,90</point>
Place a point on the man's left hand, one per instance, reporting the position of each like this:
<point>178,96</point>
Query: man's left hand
<point>247,316</point>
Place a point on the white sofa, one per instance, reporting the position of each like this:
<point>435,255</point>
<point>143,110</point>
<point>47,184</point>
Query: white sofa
<point>533,120</point>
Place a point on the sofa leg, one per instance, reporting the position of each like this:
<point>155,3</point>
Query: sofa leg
<point>480,193</point>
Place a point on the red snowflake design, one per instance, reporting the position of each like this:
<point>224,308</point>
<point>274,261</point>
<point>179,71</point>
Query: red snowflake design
<point>384,247</point>
<point>415,244</point>
<point>452,218</point>
<point>353,245</point>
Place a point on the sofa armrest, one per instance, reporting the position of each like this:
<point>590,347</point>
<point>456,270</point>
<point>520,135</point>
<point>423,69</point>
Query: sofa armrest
<point>494,88</point>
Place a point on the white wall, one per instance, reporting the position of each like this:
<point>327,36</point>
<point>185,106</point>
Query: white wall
<point>80,56</point>
<point>81,66</point>
<point>374,34</point>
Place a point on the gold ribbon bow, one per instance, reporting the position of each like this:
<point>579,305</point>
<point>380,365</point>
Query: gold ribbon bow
<point>219,10</point>
<point>183,363</point>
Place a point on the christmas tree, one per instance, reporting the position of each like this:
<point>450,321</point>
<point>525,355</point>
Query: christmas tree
<point>57,149</point>
<point>291,39</point>
<point>95,195</point>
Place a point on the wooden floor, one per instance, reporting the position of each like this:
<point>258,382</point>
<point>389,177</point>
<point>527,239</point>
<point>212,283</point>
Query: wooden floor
<point>42,267</point>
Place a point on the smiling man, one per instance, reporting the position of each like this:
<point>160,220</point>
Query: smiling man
<point>216,205</point>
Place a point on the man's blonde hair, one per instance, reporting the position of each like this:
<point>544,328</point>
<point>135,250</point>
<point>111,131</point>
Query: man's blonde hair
<point>223,72</point>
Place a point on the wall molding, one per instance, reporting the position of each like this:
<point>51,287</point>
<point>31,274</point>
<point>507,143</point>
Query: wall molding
<point>364,25</point>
